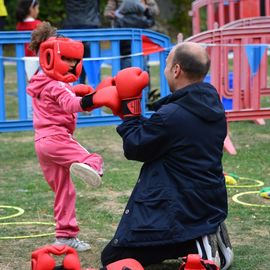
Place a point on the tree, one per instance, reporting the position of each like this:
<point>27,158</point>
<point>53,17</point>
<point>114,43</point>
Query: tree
<point>50,10</point>
<point>181,21</point>
<point>175,21</point>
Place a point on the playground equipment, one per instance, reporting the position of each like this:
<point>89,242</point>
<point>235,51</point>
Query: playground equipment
<point>140,39</point>
<point>237,35</point>
<point>253,21</point>
<point>220,12</point>
<point>244,51</point>
<point>238,50</point>
<point>241,51</point>
<point>256,22</point>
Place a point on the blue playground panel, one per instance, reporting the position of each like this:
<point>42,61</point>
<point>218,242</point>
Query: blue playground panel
<point>227,102</point>
<point>98,57</point>
<point>106,53</point>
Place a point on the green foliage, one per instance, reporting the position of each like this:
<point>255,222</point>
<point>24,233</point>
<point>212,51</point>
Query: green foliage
<point>54,12</point>
<point>50,10</point>
<point>181,21</point>
<point>99,210</point>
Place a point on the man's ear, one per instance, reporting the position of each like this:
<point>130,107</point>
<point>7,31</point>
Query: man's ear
<point>177,70</point>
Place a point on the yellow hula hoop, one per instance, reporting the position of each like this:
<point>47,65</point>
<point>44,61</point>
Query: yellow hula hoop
<point>19,213</point>
<point>27,223</point>
<point>235,199</point>
<point>259,183</point>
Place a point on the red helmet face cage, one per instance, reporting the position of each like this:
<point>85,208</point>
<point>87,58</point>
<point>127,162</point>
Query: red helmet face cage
<point>50,58</point>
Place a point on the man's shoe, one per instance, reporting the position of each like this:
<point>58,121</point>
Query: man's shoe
<point>208,248</point>
<point>72,242</point>
<point>225,247</point>
<point>85,173</point>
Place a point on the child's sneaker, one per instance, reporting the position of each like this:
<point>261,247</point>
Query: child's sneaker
<point>72,242</point>
<point>225,247</point>
<point>86,173</point>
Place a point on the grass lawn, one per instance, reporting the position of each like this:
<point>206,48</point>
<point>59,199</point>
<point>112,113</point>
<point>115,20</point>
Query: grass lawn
<point>99,210</point>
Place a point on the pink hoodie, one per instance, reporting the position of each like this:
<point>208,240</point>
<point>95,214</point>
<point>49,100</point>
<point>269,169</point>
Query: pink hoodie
<point>55,106</point>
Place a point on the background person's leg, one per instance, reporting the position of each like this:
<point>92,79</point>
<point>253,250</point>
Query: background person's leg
<point>86,54</point>
<point>125,49</point>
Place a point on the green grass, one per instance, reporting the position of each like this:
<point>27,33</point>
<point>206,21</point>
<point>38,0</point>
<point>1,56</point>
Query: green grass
<point>99,210</point>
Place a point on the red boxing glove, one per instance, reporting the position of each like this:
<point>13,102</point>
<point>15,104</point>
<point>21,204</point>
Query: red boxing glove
<point>81,90</point>
<point>106,96</point>
<point>109,81</point>
<point>130,83</point>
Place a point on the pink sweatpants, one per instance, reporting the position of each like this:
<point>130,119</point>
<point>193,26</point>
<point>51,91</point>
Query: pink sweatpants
<point>56,154</point>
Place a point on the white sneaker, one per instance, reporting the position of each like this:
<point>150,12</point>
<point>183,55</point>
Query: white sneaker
<point>85,173</point>
<point>225,247</point>
<point>208,248</point>
<point>72,242</point>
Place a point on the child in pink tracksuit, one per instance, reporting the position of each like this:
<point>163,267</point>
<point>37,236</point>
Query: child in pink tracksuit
<point>55,108</point>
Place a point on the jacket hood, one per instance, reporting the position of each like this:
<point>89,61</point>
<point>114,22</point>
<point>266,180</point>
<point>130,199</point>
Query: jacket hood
<point>38,83</point>
<point>201,99</point>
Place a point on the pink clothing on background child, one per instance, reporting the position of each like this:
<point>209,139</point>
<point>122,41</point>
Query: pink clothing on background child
<point>55,114</point>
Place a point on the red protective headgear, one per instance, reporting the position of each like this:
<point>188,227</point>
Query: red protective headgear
<point>195,262</point>
<point>42,260</point>
<point>50,57</point>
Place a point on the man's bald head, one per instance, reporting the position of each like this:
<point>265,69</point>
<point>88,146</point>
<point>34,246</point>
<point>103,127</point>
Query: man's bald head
<point>192,58</point>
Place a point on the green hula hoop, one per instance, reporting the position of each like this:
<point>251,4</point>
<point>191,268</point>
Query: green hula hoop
<point>236,196</point>
<point>259,183</point>
<point>27,223</point>
<point>19,213</point>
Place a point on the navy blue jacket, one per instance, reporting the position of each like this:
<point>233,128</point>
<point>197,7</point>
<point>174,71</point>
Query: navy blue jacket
<point>180,193</point>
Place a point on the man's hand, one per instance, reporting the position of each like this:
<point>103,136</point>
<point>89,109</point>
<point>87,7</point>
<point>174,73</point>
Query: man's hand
<point>109,81</point>
<point>130,83</point>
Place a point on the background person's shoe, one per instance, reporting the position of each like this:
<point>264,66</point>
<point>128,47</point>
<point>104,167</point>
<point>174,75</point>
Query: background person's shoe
<point>85,173</point>
<point>225,247</point>
<point>72,242</point>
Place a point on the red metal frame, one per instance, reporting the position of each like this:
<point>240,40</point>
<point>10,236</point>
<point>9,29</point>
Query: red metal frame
<point>220,12</point>
<point>228,44</point>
